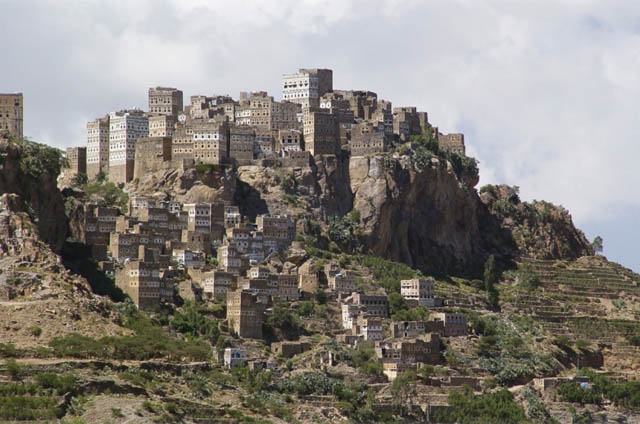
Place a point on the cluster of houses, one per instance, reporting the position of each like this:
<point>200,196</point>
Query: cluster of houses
<point>160,244</point>
<point>312,119</point>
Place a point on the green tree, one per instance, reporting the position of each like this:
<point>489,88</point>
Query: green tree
<point>598,245</point>
<point>491,278</point>
<point>403,389</point>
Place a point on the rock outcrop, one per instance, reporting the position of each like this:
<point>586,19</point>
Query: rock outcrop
<point>540,229</point>
<point>427,219</point>
<point>30,170</point>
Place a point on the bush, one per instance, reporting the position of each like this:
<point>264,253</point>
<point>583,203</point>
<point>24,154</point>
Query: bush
<point>109,192</point>
<point>467,408</point>
<point>9,350</point>
<point>14,369</point>
<point>60,383</point>
<point>35,331</point>
<point>387,273</point>
<point>189,320</point>
<point>149,341</point>
<point>37,159</point>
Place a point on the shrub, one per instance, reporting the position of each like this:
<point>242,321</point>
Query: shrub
<point>9,350</point>
<point>467,408</point>
<point>14,369</point>
<point>387,273</point>
<point>60,383</point>
<point>191,321</point>
<point>35,331</point>
<point>109,192</point>
<point>37,159</point>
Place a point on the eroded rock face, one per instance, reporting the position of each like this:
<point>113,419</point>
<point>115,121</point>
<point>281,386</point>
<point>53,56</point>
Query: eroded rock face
<point>425,219</point>
<point>332,188</point>
<point>540,229</point>
<point>187,186</point>
<point>40,195</point>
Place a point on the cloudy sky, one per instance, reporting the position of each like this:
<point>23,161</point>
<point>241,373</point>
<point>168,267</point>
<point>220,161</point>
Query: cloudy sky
<point>546,91</point>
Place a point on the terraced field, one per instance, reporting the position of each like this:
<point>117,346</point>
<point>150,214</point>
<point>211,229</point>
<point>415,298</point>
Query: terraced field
<point>591,299</point>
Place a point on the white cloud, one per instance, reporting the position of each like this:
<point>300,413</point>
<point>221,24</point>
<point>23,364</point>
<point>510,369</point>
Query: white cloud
<point>544,90</point>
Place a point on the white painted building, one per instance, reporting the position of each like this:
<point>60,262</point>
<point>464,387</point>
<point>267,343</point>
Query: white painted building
<point>420,290</point>
<point>97,146</point>
<point>125,128</point>
<point>306,86</point>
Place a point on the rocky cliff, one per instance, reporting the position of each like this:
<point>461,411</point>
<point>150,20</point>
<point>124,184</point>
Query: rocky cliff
<point>427,218</point>
<point>30,170</point>
<point>540,229</point>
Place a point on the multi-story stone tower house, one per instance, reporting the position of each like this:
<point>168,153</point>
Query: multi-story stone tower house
<point>245,314</point>
<point>259,110</point>
<point>77,160</point>
<point>125,128</point>
<point>321,132</point>
<point>11,109</point>
<point>98,146</point>
<point>165,101</point>
<point>161,125</point>
<point>210,141</point>
<point>306,86</point>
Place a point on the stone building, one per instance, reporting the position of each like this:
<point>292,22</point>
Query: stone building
<point>125,245</point>
<point>232,216</point>
<point>370,328</point>
<point>337,104</point>
<point>77,160</point>
<point>161,125</point>
<point>419,290</point>
<point>11,114</point>
<point>411,329</point>
<point>452,143</point>
<point>207,107</point>
<point>278,231</point>
<point>425,349</point>
<point>98,147</point>
<point>342,282</point>
<point>244,314</point>
<point>376,305</point>
<point>181,145</point>
<point>401,355</point>
<point>362,103</point>
<point>196,240</point>
<point>241,141</point>
<point>188,258</point>
<point>262,112</point>
<point>203,217</point>
<point>288,349</point>
<point>349,314</point>
<point>368,138</point>
<point>288,141</point>
<point>217,283</point>
<point>96,225</point>
<point>321,132</point>
<point>230,259</point>
<point>141,279</point>
<point>307,86</point>
<point>234,357</point>
<point>286,287</point>
<point>455,323</point>
<point>151,154</point>
<point>165,101</point>
<point>125,128</point>
<point>263,147</point>
<point>210,142</point>
<point>406,122</point>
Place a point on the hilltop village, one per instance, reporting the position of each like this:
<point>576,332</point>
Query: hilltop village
<point>321,258</point>
<point>149,247</point>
